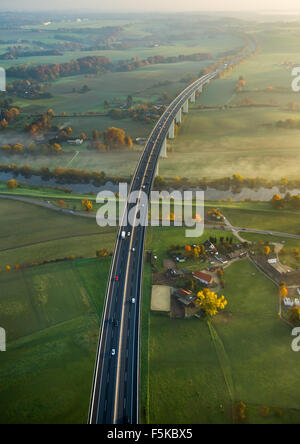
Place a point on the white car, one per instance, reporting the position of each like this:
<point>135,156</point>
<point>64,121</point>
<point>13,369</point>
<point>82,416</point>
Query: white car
<point>133,300</point>
<point>113,352</point>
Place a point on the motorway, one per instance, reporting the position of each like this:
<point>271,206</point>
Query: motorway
<point>115,392</point>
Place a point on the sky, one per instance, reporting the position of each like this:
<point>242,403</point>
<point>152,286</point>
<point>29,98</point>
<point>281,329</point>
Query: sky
<point>153,5</point>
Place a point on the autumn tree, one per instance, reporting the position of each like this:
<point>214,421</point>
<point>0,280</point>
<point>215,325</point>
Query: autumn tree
<point>4,124</point>
<point>210,302</point>
<point>129,142</point>
<point>114,137</point>
<point>195,253</point>
<point>102,252</point>
<point>239,411</point>
<point>95,135</point>
<point>87,205</point>
<point>12,184</point>
<point>277,201</point>
<point>56,148</point>
<point>220,272</point>
<point>283,291</point>
<point>294,315</point>
<point>188,249</point>
<point>295,202</point>
<point>18,148</point>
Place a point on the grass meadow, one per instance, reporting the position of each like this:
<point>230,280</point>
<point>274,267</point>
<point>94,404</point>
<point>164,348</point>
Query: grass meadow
<point>51,314</point>
<point>33,234</point>
<point>197,374</point>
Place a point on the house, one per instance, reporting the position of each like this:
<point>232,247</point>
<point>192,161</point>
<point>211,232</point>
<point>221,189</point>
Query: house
<point>76,142</point>
<point>203,278</point>
<point>209,245</point>
<point>288,302</point>
<point>273,260</point>
<point>140,140</point>
<point>237,253</point>
<point>186,297</point>
<point>221,259</point>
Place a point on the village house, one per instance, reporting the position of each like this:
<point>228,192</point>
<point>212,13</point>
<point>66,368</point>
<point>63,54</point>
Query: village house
<point>209,246</point>
<point>76,142</point>
<point>205,279</point>
<point>186,297</point>
<point>239,253</point>
<point>185,301</point>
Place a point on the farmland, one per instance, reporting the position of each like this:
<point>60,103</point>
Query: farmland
<point>244,140</point>
<point>52,285</point>
<point>186,371</point>
<point>51,314</point>
<point>47,235</point>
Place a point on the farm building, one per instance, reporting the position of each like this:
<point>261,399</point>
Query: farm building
<point>76,142</point>
<point>203,278</point>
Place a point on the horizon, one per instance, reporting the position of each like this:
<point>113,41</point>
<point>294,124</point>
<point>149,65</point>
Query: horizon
<point>156,6</point>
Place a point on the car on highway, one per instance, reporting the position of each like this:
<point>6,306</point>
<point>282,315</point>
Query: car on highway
<point>133,301</point>
<point>133,250</point>
<point>113,352</point>
<point>116,278</point>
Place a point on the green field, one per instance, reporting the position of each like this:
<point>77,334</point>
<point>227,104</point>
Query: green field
<point>249,349</point>
<point>51,315</point>
<point>47,235</point>
<point>159,240</point>
<point>261,216</point>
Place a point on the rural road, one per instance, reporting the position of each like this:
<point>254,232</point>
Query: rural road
<point>227,227</point>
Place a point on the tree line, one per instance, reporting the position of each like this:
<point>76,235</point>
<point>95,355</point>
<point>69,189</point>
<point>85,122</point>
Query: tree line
<point>94,65</point>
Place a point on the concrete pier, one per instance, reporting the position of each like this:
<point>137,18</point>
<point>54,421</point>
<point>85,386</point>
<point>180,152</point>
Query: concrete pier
<point>163,152</point>
<point>172,131</point>
<point>186,107</point>
<point>179,116</point>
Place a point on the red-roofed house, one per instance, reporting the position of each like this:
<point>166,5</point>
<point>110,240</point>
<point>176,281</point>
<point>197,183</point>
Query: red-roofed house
<point>203,278</point>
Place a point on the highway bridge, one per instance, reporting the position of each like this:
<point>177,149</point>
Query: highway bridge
<point>115,392</point>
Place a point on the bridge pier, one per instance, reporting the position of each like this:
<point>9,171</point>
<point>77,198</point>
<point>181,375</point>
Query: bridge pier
<point>186,107</point>
<point>193,97</point>
<point>178,116</point>
<point>163,151</point>
<point>172,130</point>
<point>200,89</point>
<point>157,170</point>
